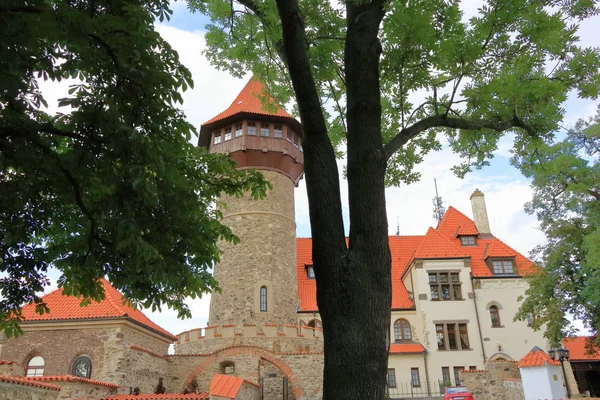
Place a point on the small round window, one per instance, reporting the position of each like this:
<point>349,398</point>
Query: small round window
<point>82,367</point>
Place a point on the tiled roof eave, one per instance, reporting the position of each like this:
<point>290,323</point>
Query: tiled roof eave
<point>413,308</point>
<point>515,276</point>
<point>442,258</point>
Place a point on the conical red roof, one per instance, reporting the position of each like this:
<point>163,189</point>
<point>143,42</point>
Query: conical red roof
<point>252,101</point>
<point>64,307</point>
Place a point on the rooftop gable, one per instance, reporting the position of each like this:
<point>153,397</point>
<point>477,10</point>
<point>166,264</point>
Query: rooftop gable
<point>435,246</point>
<point>536,358</point>
<point>64,308</point>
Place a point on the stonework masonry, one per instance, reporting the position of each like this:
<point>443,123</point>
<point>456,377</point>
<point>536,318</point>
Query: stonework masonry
<point>265,257</point>
<point>9,391</point>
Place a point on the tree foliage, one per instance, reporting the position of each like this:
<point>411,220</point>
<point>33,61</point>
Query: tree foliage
<point>111,186</point>
<point>384,83</point>
<point>566,200</point>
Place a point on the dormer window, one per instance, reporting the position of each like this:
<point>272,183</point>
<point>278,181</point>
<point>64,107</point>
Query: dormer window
<point>503,267</point>
<point>310,272</point>
<point>468,241</point>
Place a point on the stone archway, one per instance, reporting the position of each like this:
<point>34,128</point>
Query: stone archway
<point>226,353</point>
<point>500,357</point>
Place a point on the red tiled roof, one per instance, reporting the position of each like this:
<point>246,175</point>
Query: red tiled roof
<point>28,382</point>
<point>435,246</point>
<point>439,243</point>
<point>406,348</point>
<point>67,308</point>
<point>536,358</point>
<point>71,378</point>
<point>250,100</point>
<point>169,396</point>
<point>581,349</point>
<point>226,385</point>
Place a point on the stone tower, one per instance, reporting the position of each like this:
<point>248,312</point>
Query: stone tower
<point>258,276</point>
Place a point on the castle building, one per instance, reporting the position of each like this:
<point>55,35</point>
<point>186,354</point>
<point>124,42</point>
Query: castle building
<point>454,295</point>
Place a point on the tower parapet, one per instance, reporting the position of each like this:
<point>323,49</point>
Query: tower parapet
<point>258,276</point>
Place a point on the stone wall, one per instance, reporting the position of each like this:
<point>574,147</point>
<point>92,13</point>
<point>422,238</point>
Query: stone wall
<point>11,368</point>
<point>265,256</point>
<point>513,389</point>
<point>59,348</point>
<point>15,391</point>
<point>141,368</point>
<point>489,384</point>
<point>82,390</point>
<point>248,392</point>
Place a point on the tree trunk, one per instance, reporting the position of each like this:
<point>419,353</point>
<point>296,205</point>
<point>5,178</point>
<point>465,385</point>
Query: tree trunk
<point>354,281</point>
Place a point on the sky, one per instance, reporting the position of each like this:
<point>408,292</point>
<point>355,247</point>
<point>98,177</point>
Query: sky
<point>409,208</point>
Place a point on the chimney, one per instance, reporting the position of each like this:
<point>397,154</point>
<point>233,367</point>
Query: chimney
<point>480,212</point>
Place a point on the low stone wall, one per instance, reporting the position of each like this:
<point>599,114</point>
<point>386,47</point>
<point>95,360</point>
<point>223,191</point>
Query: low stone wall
<point>489,384</point>
<point>81,390</point>
<point>16,390</point>
<point>513,389</point>
<point>11,368</point>
<point>276,338</point>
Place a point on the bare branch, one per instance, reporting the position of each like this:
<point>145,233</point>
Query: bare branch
<point>444,121</point>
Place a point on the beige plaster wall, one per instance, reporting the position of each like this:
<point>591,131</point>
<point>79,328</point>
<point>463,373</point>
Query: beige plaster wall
<point>513,338</point>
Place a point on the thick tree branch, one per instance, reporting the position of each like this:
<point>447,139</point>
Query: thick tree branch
<point>444,121</point>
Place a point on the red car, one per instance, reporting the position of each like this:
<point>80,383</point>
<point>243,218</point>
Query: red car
<point>458,393</point>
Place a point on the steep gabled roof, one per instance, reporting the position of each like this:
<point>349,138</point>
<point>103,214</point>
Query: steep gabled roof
<point>581,349</point>
<point>64,308</point>
<point>435,246</point>
<point>536,358</point>
<point>440,243</point>
<point>249,102</point>
<point>455,223</point>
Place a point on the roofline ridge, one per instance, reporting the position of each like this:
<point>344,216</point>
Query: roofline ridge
<point>110,299</point>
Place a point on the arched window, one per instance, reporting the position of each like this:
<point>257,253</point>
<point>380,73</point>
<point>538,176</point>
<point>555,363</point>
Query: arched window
<point>227,367</point>
<point>495,316</point>
<point>315,323</point>
<point>82,367</point>
<point>402,330</point>
<point>263,298</point>
<point>35,367</point>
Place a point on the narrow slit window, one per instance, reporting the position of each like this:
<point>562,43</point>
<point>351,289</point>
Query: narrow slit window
<point>263,298</point>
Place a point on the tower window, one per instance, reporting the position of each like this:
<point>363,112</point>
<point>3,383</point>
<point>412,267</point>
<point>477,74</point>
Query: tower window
<point>296,140</point>
<point>495,316</point>
<point>35,367</point>
<point>278,131</point>
<point>217,137</point>
<point>290,136</point>
<point>264,131</point>
<point>82,367</point>
<point>238,130</point>
<point>251,129</point>
<point>263,298</point>
<point>402,331</point>
<point>468,240</point>
<point>228,133</point>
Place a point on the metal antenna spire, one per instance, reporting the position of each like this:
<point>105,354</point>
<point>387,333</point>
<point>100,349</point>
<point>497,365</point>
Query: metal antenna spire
<point>397,226</point>
<point>438,207</point>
